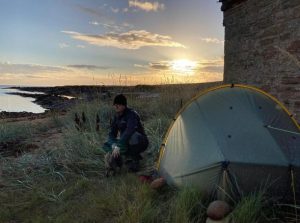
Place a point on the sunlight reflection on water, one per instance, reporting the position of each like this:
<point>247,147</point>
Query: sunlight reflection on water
<point>16,103</point>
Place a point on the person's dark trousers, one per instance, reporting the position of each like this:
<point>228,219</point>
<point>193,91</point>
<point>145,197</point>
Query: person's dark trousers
<point>134,152</point>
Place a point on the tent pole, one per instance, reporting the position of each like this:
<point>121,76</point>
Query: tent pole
<point>282,130</point>
<point>224,185</point>
<point>294,191</point>
<point>224,179</point>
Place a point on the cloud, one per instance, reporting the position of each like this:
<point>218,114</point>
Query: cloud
<point>95,23</point>
<point>96,13</point>
<point>88,67</point>
<point>212,69</point>
<point>132,40</point>
<point>216,65</point>
<point>127,25</point>
<point>112,26</point>
<point>164,65</point>
<point>141,66</point>
<point>160,65</point>
<point>212,40</point>
<point>63,45</point>
<point>80,74</point>
<point>17,77</point>
<point>91,11</point>
<point>40,75</point>
<point>114,10</point>
<point>209,66</point>
<point>203,71</point>
<point>8,68</point>
<point>146,6</point>
<point>206,63</point>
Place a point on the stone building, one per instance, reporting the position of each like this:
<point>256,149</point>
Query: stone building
<point>262,47</point>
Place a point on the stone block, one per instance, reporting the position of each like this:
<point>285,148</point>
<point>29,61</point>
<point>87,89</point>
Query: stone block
<point>290,80</point>
<point>294,47</point>
<point>262,47</point>
<point>289,4</point>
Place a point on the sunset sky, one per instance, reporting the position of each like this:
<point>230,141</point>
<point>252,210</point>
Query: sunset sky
<point>127,42</point>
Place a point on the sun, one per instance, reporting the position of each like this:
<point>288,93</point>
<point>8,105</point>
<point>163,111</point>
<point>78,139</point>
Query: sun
<point>184,66</point>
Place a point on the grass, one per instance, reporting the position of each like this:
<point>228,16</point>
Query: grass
<point>187,206</point>
<point>119,199</point>
<point>249,208</point>
<point>13,131</point>
<point>66,183</point>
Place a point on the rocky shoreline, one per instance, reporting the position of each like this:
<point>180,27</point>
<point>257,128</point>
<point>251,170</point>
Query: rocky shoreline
<point>49,99</point>
<point>62,98</point>
<point>57,99</point>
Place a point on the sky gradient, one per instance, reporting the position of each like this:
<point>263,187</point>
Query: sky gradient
<point>111,42</point>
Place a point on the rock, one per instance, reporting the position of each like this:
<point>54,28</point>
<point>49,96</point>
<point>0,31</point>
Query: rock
<point>217,210</point>
<point>145,179</point>
<point>224,220</point>
<point>157,183</point>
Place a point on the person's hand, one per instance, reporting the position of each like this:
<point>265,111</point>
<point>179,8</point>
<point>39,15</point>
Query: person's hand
<point>113,146</point>
<point>116,151</point>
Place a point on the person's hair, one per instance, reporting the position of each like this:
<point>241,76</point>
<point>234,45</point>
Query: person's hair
<point>120,99</point>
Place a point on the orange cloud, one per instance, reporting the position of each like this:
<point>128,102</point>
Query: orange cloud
<point>212,40</point>
<point>10,68</point>
<point>146,6</point>
<point>203,65</point>
<point>88,67</point>
<point>132,40</point>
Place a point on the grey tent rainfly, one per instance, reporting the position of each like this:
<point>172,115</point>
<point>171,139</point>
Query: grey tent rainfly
<point>233,137</point>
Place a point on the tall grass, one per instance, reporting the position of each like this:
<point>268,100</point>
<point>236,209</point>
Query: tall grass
<point>55,181</point>
<point>249,209</point>
<point>120,199</point>
<point>66,183</point>
<point>187,206</point>
<point>13,131</point>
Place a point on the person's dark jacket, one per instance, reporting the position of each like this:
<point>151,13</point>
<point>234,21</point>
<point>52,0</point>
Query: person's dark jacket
<point>129,125</point>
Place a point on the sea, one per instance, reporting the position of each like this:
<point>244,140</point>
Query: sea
<point>16,103</point>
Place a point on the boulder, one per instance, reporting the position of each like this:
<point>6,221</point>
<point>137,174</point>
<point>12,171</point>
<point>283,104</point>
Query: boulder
<point>217,210</point>
<point>145,179</point>
<point>157,183</point>
<point>224,220</point>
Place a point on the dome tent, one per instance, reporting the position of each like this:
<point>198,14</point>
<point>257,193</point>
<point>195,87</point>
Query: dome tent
<point>232,135</point>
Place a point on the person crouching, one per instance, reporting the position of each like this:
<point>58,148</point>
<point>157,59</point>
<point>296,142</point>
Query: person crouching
<point>126,137</point>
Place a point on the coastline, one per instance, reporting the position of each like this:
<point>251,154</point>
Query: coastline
<point>62,98</point>
<point>49,102</point>
<point>55,99</point>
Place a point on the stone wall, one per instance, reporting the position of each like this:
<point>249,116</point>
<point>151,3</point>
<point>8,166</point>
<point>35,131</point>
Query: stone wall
<point>262,47</point>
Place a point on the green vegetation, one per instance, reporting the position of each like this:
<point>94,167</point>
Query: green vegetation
<point>249,208</point>
<point>14,131</point>
<point>63,180</point>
